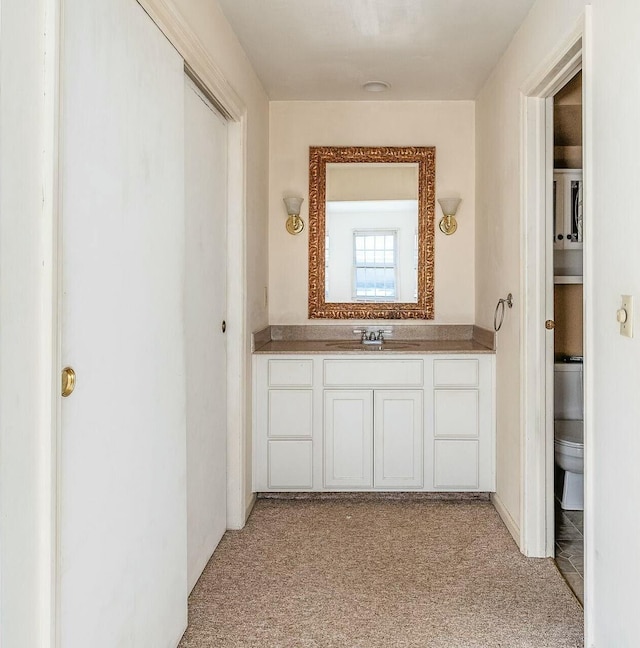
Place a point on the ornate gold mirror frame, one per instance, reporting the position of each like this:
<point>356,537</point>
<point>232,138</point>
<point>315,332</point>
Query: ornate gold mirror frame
<point>319,157</point>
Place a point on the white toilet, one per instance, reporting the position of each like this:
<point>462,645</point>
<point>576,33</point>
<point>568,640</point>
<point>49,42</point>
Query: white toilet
<point>568,431</point>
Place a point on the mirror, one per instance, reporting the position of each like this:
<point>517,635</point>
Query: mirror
<point>371,232</point>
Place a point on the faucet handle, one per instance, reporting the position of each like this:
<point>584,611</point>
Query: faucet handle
<point>361,332</point>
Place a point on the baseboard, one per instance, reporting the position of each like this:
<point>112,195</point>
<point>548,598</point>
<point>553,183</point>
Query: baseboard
<point>249,507</point>
<point>509,522</point>
<point>357,496</point>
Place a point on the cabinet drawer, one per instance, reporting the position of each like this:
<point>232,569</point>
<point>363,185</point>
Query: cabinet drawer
<point>290,464</point>
<point>290,413</point>
<point>456,464</point>
<point>373,373</point>
<point>455,373</point>
<point>290,373</point>
<point>455,413</point>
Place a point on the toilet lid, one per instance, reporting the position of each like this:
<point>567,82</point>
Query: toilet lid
<point>569,432</point>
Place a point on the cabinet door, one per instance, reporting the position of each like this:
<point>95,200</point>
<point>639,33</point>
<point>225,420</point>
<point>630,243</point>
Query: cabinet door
<point>348,422</point>
<point>398,436</point>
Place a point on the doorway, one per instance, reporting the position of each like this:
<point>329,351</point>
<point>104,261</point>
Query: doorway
<point>567,236</point>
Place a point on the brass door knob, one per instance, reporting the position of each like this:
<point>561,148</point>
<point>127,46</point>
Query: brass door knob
<point>68,381</point>
<point>549,325</point>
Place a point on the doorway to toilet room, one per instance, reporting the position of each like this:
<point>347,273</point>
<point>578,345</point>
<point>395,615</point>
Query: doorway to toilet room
<point>568,349</point>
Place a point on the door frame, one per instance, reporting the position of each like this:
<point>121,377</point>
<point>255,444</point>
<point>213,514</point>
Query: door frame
<point>536,388</point>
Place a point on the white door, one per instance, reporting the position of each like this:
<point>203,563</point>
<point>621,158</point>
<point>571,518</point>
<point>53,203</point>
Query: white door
<point>122,572</point>
<point>205,306</point>
<point>348,439</point>
<point>398,439</point>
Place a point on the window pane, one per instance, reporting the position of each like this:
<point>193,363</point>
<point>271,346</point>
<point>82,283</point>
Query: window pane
<point>374,265</point>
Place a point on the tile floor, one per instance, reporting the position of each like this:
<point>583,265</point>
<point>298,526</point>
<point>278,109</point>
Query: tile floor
<point>570,548</point>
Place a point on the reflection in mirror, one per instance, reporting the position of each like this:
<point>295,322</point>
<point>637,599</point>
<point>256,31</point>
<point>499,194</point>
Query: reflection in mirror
<point>371,242</point>
<point>371,214</point>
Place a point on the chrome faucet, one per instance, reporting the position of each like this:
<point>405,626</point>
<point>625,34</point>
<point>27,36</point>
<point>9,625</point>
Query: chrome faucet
<point>371,337</point>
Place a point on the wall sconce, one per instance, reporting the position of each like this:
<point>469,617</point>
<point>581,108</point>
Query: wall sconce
<point>295,224</point>
<point>448,224</point>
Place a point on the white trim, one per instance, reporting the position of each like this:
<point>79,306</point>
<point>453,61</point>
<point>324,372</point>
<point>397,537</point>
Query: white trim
<point>250,504</point>
<point>197,60</point>
<point>533,310</point>
<point>52,331</point>
<point>238,352</point>
<point>558,68</point>
<point>589,318</point>
<point>509,522</point>
<point>537,511</point>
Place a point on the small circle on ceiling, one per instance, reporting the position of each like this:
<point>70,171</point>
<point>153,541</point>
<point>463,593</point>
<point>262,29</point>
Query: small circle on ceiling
<point>375,86</point>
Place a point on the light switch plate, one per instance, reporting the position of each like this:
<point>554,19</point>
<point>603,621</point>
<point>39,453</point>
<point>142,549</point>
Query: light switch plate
<point>626,327</point>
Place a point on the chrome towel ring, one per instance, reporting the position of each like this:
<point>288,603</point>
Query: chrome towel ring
<point>499,314</point>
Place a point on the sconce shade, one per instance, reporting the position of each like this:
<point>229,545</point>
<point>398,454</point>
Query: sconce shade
<point>449,206</point>
<point>293,205</point>
<point>295,224</point>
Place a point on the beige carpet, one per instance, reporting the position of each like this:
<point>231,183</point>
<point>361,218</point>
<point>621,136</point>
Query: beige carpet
<point>375,574</point>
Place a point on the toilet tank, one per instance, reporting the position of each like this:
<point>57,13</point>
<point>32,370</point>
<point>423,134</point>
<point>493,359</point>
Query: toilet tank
<point>567,391</point>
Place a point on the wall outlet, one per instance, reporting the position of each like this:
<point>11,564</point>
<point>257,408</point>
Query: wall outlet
<point>625,316</point>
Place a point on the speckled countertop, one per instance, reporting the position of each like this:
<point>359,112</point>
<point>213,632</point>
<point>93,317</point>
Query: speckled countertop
<point>341,340</point>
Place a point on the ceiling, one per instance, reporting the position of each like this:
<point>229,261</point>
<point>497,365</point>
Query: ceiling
<point>326,49</point>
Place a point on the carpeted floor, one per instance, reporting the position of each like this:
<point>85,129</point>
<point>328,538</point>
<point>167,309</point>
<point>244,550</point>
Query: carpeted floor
<point>379,574</point>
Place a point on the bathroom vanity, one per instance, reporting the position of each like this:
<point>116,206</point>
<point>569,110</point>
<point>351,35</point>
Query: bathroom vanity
<point>411,415</point>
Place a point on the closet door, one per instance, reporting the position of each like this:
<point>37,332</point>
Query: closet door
<point>205,306</point>
<point>122,572</point>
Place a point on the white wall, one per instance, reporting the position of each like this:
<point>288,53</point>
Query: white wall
<point>447,125</point>
<point>25,312</point>
<point>613,362</point>
<point>498,257</point>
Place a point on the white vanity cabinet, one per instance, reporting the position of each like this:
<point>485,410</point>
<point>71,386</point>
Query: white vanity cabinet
<point>396,422</point>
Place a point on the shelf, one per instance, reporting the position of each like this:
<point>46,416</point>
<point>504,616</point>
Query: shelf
<point>567,279</point>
